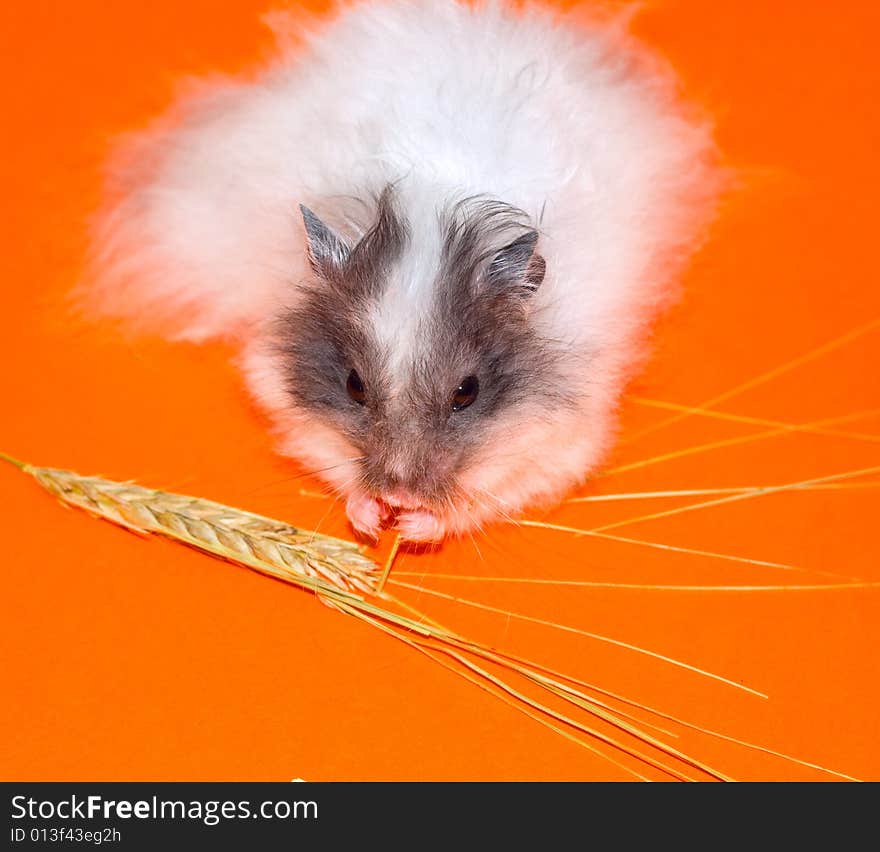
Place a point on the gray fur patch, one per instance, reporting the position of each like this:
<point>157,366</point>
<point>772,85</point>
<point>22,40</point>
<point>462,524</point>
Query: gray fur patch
<point>324,338</point>
<point>478,325</point>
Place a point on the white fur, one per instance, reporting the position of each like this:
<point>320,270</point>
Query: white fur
<point>568,119</point>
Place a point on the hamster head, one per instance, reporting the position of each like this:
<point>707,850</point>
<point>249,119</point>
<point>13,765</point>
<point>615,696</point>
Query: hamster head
<point>415,392</point>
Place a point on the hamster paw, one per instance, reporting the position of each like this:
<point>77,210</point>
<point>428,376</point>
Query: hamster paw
<point>366,515</point>
<point>419,525</point>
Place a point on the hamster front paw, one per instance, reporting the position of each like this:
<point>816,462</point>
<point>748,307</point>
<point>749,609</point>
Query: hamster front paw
<point>366,515</point>
<point>420,525</point>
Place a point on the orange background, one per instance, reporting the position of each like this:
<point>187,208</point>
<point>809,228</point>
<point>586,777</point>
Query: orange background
<point>132,659</point>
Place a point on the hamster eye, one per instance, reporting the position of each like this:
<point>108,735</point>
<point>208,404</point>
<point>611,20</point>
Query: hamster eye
<point>465,393</point>
<point>355,388</point>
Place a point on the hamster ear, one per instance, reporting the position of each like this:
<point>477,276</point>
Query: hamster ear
<point>327,252</point>
<point>517,268</point>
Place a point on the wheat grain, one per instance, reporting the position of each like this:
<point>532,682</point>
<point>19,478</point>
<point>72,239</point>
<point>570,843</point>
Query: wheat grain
<point>318,562</point>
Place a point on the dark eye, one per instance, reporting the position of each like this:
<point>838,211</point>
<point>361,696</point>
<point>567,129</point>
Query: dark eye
<point>355,388</point>
<point>465,393</point>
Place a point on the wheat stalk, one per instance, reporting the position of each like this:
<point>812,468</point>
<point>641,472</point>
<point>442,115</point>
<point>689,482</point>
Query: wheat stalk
<point>320,562</point>
<point>331,567</point>
<point>336,570</point>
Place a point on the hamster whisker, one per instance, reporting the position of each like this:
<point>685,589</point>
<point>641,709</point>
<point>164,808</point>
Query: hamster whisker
<point>303,475</point>
<point>497,503</point>
<point>324,517</point>
<point>337,492</point>
<point>474,542</point>
<point>476,522</point>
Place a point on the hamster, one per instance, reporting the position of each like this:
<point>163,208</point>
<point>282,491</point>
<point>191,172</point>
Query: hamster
<point>437,231</point>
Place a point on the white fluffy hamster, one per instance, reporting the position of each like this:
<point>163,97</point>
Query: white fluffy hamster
<point>437,230</point>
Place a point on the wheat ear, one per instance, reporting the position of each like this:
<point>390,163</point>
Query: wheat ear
<point>334,569</point>
<point>318,562</point>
